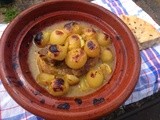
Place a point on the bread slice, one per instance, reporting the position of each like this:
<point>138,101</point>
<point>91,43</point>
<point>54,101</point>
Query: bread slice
<point>145,33</point>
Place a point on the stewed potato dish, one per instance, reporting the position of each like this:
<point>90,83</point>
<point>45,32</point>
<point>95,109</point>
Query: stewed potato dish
<point>71,58</point>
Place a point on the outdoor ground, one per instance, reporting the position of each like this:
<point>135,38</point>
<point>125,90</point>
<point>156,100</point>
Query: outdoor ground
<point>9,11</point>
<point>152,7</point>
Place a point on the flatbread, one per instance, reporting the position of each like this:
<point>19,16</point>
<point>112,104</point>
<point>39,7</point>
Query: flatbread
<point>145,33</point>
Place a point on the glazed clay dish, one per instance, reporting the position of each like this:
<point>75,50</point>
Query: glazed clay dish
<point>17,75</point>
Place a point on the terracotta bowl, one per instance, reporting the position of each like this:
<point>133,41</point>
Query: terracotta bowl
<point>17,78</point>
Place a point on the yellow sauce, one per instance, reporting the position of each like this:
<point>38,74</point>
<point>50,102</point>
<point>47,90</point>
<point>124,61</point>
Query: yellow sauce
<point>75,90</point>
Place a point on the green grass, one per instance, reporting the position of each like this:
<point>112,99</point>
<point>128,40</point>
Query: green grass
<point>10,14</point>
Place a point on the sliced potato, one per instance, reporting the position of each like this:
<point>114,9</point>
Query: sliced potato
<point>83,85</point>
<point>106,69</point>
<point>44,66</point>
<point>71,79</point>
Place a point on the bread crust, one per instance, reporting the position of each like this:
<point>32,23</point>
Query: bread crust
<point>145,34</point>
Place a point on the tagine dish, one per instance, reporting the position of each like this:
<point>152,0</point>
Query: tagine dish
<point>64,61</point>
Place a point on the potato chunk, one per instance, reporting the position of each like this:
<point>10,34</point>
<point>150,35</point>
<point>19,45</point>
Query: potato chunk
<point>57,52</point>
<point>74,41</point>
<point>103,39</point>
<point>106,55</point>
<point>41,39</point>
<point>92,48</point>
<point>58,87</point>
<point>95,78</point>
<point>72,27</point>
<point>76,58</point>
<point>88,33</point>
<point>45,79</point>
<point>58,37</point>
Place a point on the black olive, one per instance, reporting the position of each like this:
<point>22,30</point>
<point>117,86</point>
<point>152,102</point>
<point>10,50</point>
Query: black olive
<point>69,25</point>
<point>38,38</point>
<point>59,87</point>
<point>53,48</point>
<point>59,81</point>
<point>58,84</point>
<point>91,45</point>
